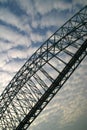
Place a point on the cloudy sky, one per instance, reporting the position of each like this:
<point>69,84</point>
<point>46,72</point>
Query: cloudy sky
<point>24,26</point>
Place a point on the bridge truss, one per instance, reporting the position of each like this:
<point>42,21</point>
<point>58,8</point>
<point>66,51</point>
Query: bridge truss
<point>45,72</point>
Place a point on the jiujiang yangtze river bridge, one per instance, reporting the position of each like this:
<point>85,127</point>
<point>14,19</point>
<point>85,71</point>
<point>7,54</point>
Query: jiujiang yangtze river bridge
<point>43,74</point>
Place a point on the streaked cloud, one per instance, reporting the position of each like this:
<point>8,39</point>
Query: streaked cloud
<point>68,106</point>
<point>22,31</point>
<point>46,6</point>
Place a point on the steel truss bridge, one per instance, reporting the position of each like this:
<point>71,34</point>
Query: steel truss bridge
<point>45,72</point>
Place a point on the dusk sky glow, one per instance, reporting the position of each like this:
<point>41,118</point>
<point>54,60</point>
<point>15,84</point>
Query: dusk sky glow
<point>24,26</point>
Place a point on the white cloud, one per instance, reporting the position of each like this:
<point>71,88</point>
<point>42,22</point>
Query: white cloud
<point>70,103</point>
<point>5,77</point>
<point>8,65</point>
<point>14,37</point>
<point>9,34</point>
<point>47,6</point>
<point>12,66</point>
<point>4,46</point>
<point>22,54</point>
<point>35,37</point>
<point>43,7</point>
<point>49,20</point>
<point>82,2</point>
<point>20,22</point>
<point>28,6</point>
<point>73,110</point>
<point>3,59</point>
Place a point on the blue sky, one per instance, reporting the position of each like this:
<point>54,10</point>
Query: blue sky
<point>24,26</point>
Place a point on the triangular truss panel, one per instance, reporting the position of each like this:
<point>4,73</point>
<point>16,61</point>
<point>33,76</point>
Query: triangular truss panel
<point>45,72</point>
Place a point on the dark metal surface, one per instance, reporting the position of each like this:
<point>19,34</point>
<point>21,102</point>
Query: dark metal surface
<point>41,77</point>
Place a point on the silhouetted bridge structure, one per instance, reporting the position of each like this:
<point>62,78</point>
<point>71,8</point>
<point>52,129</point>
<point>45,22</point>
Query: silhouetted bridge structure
<point>45,72</point>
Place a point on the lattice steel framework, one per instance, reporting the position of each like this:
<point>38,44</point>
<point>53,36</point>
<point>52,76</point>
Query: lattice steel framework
<point>45,72</point>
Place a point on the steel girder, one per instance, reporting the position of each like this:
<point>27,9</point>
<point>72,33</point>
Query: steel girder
<point>45,72</point>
